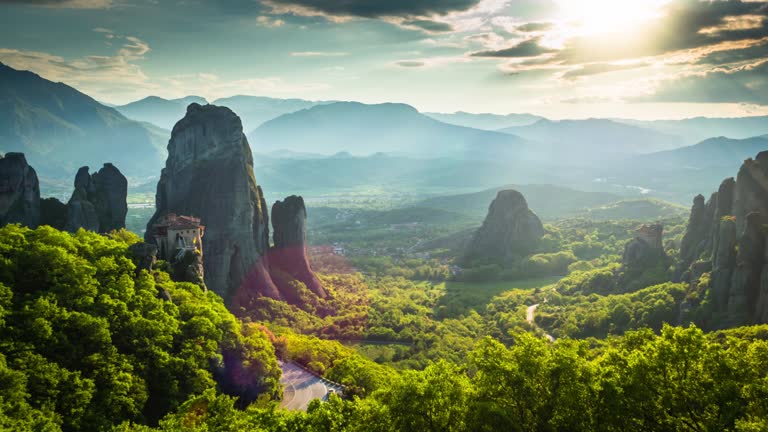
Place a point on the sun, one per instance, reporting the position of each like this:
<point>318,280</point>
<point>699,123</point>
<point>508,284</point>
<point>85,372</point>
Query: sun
<point>589,17</point>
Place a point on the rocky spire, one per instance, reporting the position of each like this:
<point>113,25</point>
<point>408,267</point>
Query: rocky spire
<point>99,201</point>
<point>288,256</point>
<point>734,218</point>
<point>510,230</point>
<point>19,191</point>
<point>209,175</point>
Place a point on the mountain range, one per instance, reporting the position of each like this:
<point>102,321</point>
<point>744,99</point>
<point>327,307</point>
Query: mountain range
<point>322,146</point>
<point>485,121</point>
<point>163,113</point>
<point>594,140</point>
<point>363,129</point>
<point>61,129</point>
<point>252,110</point>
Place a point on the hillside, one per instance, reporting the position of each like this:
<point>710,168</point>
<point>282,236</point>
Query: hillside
<point>60,129</point>
<point>648,209</point>
<point>594,140</point>
<point>362,129</point>
<point>694,130</point>
<point>714,152</point>
<point>547,201</point>
<point>160,112</point>
<point>485,121</point>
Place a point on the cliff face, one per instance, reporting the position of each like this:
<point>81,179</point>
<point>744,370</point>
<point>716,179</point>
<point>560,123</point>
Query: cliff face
<point>510,230</point>
<point>288,256</point>
<point>19,191</point>
<point>99,202</point>
<point>209,175</point>
<point>728,234</point>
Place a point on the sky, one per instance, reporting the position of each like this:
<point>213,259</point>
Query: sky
<point>645,59</point>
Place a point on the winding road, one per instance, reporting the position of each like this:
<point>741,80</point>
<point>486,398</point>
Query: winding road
<point>300,387</point>
<point>529,317</point>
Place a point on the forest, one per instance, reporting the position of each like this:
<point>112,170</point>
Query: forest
<point>91,342</point>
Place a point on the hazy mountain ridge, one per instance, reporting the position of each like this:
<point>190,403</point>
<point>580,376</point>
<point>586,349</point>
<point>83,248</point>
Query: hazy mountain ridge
<point>485,121</point>
<point>160,112</point>
<point>697,129</point>
<point>60,129</point>
<point>363,129</point>
<point>595,139</point>
<point>255,110</point>
<point>720,151</point>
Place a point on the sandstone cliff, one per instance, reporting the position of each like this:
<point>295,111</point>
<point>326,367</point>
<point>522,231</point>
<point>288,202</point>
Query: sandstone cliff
<point>510,231</point>
<point>727,235</point>
<point>99,201</point>
<point>19,191</point>
<point>288,256</point>
<point>209,175</point>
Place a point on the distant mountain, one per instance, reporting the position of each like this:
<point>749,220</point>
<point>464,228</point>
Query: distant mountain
<point>60,129</point>
<point>547,201</point>
<point>160,112</point>
<point>255,110</point>
<point>697,129</point>
<point>714,152</point>
<point>594,140</point>
<point>485,121</point>
<point>362,129</point>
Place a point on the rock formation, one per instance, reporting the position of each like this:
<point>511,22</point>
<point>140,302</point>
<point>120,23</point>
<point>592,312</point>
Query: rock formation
<point>209,175</point>
<point>19,191</point>
<point>144,255</point>
<point>98,202</point>
<point>510,231</point>
<point>53,213</point>
<point>728,233</point>
<point>288,255</point>
<point>646,249</point>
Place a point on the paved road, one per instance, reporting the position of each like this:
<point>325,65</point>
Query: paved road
<point>300,387</point>
<point>529,317</point>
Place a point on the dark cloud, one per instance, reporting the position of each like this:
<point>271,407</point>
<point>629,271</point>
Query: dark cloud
<point>380,8</point>
<point>528,48</point>
<point>429,25</point>
<point>757,51</point>
<point>599,68</point>
<point>534,27</point>
<point>748,84</point>
<point>410,63</point>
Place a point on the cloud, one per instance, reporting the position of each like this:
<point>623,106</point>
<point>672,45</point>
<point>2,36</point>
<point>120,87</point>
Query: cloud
<point>684,25</point>
<point>527,48</point>
<point>532,27</point>
<point>98,75</point>
<point>743,84</point>
<point>599,68</point>
<point>73,4</point>
<point>746,52</point>
<point>371,8</point>
<point>428,25</point>
<point>431,61</point>
<point>319,54</point>
<point>410,63</point>
<point>270,22</point>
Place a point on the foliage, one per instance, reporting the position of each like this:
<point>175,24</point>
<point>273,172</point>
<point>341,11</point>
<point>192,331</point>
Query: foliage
<point>678,380</point>
<point>89,342</point>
